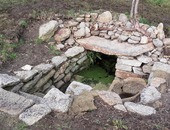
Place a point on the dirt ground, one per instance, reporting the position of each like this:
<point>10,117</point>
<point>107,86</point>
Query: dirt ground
<point>105,117</point>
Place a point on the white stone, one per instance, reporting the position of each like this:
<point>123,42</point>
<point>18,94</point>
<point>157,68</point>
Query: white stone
<point>144,40</point>
<point>123,18</point>
<point>156,82</point>
<point>111,98</point>
<point>144,59</point>
<point>132,41</point>
<point>57,100</point>
<point>129,62</point>
<point>160,34</point>
<point>34,114</point>
<point>157,42</point>
<point>138,70</point>
<point>135,38</point>
<point>147,68</point>
<point>46,31</point>
<point>149,95</point>
<point>161,66</point>
<point>123,67</point>
<point>80,33</point>
<point>76,88</point>
<point>26,75</point>
<point>163,60</point>
<point>139,109</point>
<point>62,34</point>
<point>123,38</point>
<point>120,107</point>
<point>7,80</point>
<point>13,103</point>
<point>58,60</point>
<point>166,41</point>
<point>44,68</point>
<point>27,67</point>
<point>74,51</point>
<point>105,17</point>
<point>59,46</point>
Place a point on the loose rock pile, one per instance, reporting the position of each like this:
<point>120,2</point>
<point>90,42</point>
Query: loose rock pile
<point>34,92</point>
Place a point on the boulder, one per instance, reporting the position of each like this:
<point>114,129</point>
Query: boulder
<point>83,103</point>
<point>105,17</point>
<point>123,18</point>
<point>149,95</point>
<point>57,100</point>
<point>133,85</point>
<point>62,34</point>
<point>46,31</point>
<point>139,109</point>
<point>76,88</point>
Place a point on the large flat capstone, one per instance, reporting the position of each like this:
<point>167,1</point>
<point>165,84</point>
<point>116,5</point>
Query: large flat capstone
<point>12,103</point>
<point>109,47</point>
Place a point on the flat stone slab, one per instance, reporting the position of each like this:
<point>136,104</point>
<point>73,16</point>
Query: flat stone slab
<point>139,109</point>
<point>57,100</point>
<point>25,76</point>
<point>44,68</point>
<point>12,103</point>
<point>74,51</point>
<point>111,98</point>
<point>34,114</point>
<point>58,60</point>
<point>76,88</point>
<point>109,47</point>
<point>7,80</point>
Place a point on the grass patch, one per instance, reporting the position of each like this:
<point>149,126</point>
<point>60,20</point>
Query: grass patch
<point>160,2</point>
<point>95,74</point>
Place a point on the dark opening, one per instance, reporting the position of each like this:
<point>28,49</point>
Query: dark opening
<point>101,72</point>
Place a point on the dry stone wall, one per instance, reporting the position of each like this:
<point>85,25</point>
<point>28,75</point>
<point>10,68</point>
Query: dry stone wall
<point>41,78</point>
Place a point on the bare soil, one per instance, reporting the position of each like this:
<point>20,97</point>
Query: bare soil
<point>104,118</point>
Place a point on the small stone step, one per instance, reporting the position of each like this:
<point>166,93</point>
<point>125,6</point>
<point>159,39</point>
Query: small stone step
<point>12,103</point>
<point>34,114</point>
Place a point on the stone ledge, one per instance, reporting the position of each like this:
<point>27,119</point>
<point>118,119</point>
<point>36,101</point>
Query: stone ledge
<point>109,47</point>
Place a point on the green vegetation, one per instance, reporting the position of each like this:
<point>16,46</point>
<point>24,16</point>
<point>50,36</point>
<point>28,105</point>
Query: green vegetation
<point>95,74</point>
<point>144,20</point>
<point>8,3</point>
<point>23,23</point>
<point>119,124</point>
<point>92,56</point>
<point>160,2</point>
<point>53,50</point>
<point>6,49</point>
